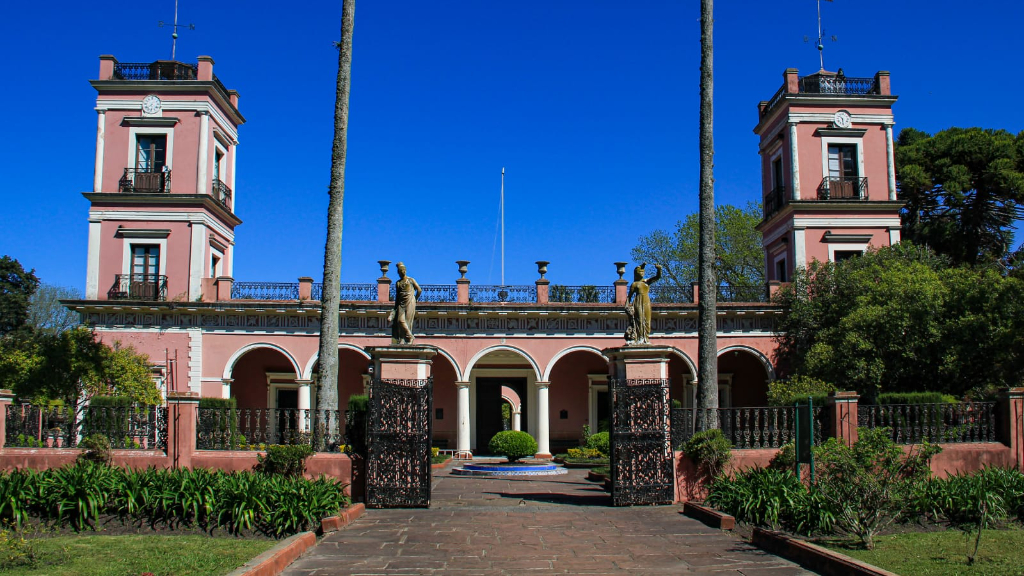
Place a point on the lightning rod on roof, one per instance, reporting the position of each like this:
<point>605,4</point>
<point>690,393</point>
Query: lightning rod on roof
<point>174,29</point>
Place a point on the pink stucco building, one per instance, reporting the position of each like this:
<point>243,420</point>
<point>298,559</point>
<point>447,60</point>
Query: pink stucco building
<point>160,266</point>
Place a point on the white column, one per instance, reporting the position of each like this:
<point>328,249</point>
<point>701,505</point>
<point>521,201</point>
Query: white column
<point>799,248</point>
<point>234,162</point>
<point>463,409</point>
<point>92,273</point>
<point>225,391</point>
<point>303,402</point>
<point>794,162</point>
<point>517,419</point>
<point>894,236</point>
<point>197,263</point>
<point>891,161</point>
<point>202,183</point>
<point>543,419</point>
<point>101,126</point>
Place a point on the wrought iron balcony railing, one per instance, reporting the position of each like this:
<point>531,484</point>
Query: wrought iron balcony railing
<point>728,293</point>
<point>138,287</point>
<point>585,294</point>
<point>160,70</point>
<point>826,84</point>
<point>481,293</point>
<point>774,201</point>
<point>221,192</point>
<point>265,291</point>
<point>145,181</point>
<point>664,293</point>
<point>840,85</point>
<point>843,189</point>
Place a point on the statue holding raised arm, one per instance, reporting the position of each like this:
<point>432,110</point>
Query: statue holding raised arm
<point>407,291</point>
<point>638,310</point>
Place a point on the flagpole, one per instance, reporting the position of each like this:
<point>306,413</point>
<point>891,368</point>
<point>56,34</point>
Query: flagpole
<point>502,225</point>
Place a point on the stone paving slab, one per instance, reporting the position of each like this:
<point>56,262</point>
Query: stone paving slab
<point>561,525</point>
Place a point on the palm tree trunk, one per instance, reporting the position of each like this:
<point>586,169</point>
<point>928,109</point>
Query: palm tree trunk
<point>707,341</point>
<point>327,372</point>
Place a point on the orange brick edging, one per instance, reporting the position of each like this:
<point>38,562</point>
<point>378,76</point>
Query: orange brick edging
<point>335,523</point>
<point>812,557</point>
<point>274,561</point>
<point>440,465</point>
<point>709,516</point>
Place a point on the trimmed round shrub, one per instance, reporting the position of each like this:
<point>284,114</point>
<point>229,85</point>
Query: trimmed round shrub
<point>512,444</point>
<point>599,442</point>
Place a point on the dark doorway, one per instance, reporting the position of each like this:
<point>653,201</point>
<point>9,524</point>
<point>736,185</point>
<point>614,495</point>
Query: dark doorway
<point>603,406</point>
<point>287,413</point>
<point>488,408</point>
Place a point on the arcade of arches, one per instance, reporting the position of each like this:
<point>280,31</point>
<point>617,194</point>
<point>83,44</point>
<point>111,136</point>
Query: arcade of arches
<point>552,399</point>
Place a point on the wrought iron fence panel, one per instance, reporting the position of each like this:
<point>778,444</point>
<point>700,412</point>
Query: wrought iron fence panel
<point>398,452</point>
<point>145,181</point>
<point>251,428</point>
<point>727,293</point>
<point>585,294</point>
<point>41,426</point>
<point>126,427</point>
<point>749,427</point>
<point>329,430</point>
<point>641,458</point>
<point>265,291</point>
<point>663,293</point>
<point>960,422</point>
<point>439,293</point>
<point>519,294</point>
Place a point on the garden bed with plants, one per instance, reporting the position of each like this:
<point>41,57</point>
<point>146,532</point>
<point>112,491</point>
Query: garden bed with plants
<point>878,504</point>
<point>273,499</point>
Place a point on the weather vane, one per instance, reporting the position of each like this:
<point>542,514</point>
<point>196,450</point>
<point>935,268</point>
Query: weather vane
<point>821,38</point>
<point>174,27</point>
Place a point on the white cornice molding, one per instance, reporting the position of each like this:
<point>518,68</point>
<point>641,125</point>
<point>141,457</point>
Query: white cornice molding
<point>197,106</point>
<point>829,117</point>
<point>150,216</point>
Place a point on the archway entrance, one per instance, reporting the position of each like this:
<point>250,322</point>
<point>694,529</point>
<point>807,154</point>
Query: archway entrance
<point>491,395</point>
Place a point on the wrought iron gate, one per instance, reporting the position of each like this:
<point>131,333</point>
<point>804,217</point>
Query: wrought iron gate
<point>398,444</point>
<point>641,461</point>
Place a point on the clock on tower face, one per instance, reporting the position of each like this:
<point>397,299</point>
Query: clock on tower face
<point>151,104</point>
<point>842,119</point>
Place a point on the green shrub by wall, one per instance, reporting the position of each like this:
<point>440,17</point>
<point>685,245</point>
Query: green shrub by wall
<point>599,442</point>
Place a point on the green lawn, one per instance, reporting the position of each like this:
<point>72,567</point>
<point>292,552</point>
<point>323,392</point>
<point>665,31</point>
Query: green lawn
<point>945,553</point>
<point>136,554</point>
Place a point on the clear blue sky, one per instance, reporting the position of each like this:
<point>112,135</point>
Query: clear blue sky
<point>591,106</point>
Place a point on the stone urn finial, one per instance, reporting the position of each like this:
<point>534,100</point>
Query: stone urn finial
<point>542,268</point>
<point>463,268</point>
<point>620,267</point>
<point>384,267</point>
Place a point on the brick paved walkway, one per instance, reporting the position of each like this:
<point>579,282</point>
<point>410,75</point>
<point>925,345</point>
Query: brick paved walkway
<point>554,525</point>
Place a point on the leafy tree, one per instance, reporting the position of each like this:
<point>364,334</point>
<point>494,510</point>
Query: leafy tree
<point>126,373</point>
<point>740,255</point>
<point>963,188</point>
<point>900,319</point>
<point>327,372</point>
<point>47,314</point>
<point>16,288</point>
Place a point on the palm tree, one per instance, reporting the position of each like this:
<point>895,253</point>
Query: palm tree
<point>707,341</point>
<point>327,372</point>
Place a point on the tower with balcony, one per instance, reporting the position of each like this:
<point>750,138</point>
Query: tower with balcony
<point>828,180</point>
<point>161,217</point>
